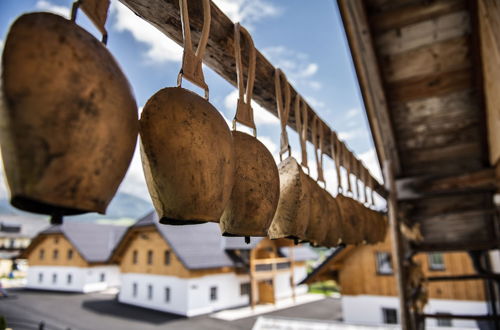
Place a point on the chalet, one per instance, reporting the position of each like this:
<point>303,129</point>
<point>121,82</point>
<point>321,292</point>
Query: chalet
<point>193,270</point>
<point>369,292</point>
<point>74,257</point>
<point>16,233</point>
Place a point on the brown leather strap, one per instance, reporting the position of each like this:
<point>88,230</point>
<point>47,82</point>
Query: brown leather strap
<point>283,109</point>
<point>366,174</point>
<point>318,143</point>
<point>347,166</point>
<point>96,11</point>
<point>334,145</point>
<point>301,124</point>
<point>244,111</point>
<point>192,61</point>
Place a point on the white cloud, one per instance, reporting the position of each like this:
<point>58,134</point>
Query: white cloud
<point>370,160</point>
<point>261,116</point>
<point>270,145</point>
<point>247,12</point>
<point>50,7</point>
<point>351,134</point>
<point>160,48</point>
<point>299,69</point>
<point>134,182</point>
<point>352,113</point>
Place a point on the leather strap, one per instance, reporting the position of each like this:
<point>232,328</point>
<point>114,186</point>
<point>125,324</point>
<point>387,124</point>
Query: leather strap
<point>301,124</point>
<point>244,111</point>
<point>96,11</point>
<point>335,150</point>
<point>318,147</point>
<point>192,61</point>
<point>283,105</point>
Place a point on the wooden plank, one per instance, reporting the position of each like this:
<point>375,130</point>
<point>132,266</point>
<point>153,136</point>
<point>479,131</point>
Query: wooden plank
<point>414,13</point>
<point>421,187</point>
<point>365,62</point>
<point>420,34</point>
<point>443,154</point>
<point>462,317</point>
<point>489,25</point>
<point>463,277</point>
<point>219,54</point>
<point>449,55</point>
<point>430,86</point>
<point>398,251</point>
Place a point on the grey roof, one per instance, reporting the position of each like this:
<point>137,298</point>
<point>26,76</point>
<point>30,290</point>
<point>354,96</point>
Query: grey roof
<point>199,246</point>
<point>93,241</point>
<point>300,253</point>
<point>30,226</point>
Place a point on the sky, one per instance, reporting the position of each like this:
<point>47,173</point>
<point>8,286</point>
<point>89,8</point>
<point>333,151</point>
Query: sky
<point>304,38</point>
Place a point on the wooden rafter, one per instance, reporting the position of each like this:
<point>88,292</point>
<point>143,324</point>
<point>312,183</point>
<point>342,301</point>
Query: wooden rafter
<point>165,15</point>
<point>365,62</point>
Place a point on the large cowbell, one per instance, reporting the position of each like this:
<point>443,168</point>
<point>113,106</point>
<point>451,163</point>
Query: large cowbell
<point>255,194</point>
<point>68,117</point>
<point>186,146</point>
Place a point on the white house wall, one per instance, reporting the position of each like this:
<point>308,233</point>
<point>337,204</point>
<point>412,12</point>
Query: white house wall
<point>366,309</point>
<point>282,287</point>
<point>82,279</point>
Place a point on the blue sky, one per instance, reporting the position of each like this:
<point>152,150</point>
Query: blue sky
<point>304,38</point>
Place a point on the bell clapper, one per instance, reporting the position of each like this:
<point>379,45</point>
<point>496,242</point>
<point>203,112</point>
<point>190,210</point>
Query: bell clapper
<point>56,219</point>
<point>247,239</point>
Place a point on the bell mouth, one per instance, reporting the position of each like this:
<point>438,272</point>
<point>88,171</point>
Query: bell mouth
<point>36,206</point>
<point>177,222</point>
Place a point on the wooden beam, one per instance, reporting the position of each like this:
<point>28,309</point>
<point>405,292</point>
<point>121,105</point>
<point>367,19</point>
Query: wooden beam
<point>219,54</point>
<point>406,15</point>
<point>366,65</point>
<point>397,248</point>
<point>426,186</point>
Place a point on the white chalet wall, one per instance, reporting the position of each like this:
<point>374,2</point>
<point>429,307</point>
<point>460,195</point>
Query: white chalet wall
<point>366,309</point>
<point>282,287</point>
<point>87,279</point>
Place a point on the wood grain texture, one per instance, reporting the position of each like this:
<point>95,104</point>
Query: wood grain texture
<point>365,61</point>
<point>219,54</point>
<point>413,13</point>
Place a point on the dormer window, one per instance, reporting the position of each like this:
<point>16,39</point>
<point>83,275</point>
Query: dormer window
<point>384,263</point>
<point>436,261</point>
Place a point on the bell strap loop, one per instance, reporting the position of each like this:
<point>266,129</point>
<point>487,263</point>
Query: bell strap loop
<point>334,149</point>
<point>347,165</point>
<point>283,109</point>
<point>301,124</point>
<point>96,11</point>
<point>318,147</point>
<point>192,61</point>
<point>244,111</point>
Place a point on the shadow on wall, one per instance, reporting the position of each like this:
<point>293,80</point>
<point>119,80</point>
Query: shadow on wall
<point>114,308</point>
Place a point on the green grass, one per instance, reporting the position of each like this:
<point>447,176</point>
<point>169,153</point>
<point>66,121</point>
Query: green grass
<point>326,287</point>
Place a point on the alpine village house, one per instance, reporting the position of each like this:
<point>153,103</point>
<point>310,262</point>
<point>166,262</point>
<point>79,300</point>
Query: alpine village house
<point>367,283</point>
<point>185,270</point>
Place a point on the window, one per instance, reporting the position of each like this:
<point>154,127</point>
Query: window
<point>40,277</point>
<point>56,240</point>
<point>390,315</point>
<point>384,263</point>
<point>54,278</point>
<point>70,254</point>
<point>150,257</point>
<point>55,254</point>
<point>41,254</point>
<point>134,257</point>
<point>244,289</point>
<point>436,261</point>
<point>134,289</point>
<point>102,277</point>
<point>167,257</point>
<point>444,322</point>
<point>213,293</point>
<point>150,292</point>
<point>167,294</point>
<point>69,279</point>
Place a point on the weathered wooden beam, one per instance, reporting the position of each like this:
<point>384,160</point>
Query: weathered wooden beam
<point>366,65</point>
<point>398,250</point>
<point>219,54</point>
<point>426,186</point>
<point>414,13</point>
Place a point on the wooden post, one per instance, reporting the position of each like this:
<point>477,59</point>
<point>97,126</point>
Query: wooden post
<point>253,282</point>
<point>397,247</point>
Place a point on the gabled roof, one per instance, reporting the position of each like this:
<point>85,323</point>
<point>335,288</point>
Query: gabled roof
<point>202,246</point>
<point>94,242</point>
<point>336,256</point>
